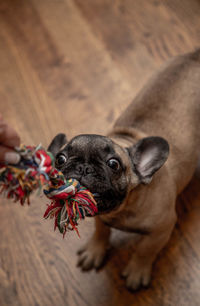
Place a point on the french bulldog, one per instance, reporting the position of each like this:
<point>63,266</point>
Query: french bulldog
<point>139,168</point>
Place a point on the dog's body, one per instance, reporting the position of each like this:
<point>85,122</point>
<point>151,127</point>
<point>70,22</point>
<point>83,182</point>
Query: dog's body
<point>168,107</point>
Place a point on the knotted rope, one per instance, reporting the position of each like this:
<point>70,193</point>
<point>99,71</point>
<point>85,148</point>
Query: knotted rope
<point>69,200</point>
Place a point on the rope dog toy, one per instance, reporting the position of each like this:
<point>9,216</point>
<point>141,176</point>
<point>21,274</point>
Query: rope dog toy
<point>69,200</point>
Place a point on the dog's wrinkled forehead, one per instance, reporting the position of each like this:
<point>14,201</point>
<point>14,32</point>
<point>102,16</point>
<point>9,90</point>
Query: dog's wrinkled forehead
<point>88,144</point>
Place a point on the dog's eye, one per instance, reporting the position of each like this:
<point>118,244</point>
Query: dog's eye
<point>60,160</point>
<point>113,164</point>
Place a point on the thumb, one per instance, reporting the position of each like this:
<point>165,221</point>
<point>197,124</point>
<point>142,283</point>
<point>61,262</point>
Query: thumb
<point>8,156</point>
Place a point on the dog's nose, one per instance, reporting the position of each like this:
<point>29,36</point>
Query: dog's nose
<point>88,170</point>
<point>84,169</point>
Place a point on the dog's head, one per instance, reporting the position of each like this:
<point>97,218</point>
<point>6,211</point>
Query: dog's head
<point>108,170</point>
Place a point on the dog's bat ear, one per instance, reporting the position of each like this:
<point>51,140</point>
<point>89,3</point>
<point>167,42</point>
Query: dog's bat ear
<point>148,156</point>
<point>57,143</point>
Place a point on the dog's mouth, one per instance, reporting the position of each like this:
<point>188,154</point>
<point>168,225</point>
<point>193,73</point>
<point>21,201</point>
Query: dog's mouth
<point>100,202</point>
<point>105,200</point>
<point>105,204</point>
<point>97,195</point>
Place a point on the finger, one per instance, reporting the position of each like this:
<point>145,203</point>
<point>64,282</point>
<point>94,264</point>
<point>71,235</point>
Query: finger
<point>8,135</point>
<point>8,156</point>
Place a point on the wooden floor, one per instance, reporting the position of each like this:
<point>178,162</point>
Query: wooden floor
<point>73,66</point>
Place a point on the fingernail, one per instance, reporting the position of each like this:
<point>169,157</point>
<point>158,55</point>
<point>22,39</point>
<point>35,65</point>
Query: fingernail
<point>12,157</point>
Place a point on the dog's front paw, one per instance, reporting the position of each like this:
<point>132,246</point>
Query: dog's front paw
<point>137,275</point>
<point>91,255</point>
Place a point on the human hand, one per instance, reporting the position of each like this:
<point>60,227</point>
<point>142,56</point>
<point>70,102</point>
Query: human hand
<point>8,140</point>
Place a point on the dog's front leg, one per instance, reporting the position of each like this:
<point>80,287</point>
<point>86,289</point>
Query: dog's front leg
<point>138,270</point>
<point>93,253</point>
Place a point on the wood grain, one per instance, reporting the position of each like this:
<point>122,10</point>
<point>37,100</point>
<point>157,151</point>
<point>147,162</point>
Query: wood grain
<point>72,66</point>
